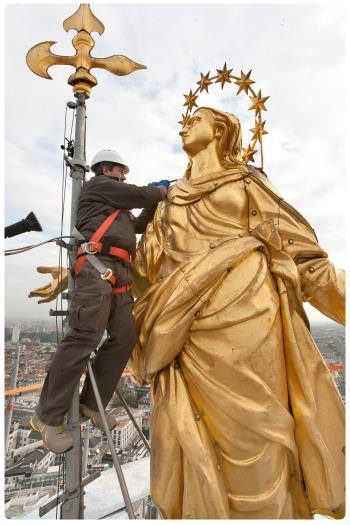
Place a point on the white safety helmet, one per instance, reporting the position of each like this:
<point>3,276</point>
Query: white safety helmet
<point>108,155</point>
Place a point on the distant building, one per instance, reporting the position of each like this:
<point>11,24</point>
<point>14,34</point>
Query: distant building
<point>125,432</point>
<point>36,460</point>
<point>125,380</point>
<point>26,402</point>
<point>18,438</point>
<point>331,343</point>
<point>15,334</point>
<point>22,415</point>
<point>144,404</point>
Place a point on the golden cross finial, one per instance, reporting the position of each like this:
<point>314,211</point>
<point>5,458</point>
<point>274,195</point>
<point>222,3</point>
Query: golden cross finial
<point>39,57</point>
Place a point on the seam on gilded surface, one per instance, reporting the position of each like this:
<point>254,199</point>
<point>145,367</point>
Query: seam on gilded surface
<point>192,289</point>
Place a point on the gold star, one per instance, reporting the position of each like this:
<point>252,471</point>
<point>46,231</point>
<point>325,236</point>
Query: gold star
<point>258,103</point>
<point>248,154</point>
<point>190,100</point>
<point>244,82</point>
<point>185,119</point>
<point>223,75</point>
<point>204,82</point>
<point>259,130</point>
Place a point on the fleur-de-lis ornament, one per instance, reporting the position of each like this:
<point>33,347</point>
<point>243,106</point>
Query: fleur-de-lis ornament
<point>40,58</point>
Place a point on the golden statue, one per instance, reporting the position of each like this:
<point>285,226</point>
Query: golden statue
<point>247,421</point>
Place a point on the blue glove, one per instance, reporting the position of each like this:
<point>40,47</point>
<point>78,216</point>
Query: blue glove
<point>163,182</point>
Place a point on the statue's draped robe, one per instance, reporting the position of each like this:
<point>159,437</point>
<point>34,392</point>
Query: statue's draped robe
<point>247,421</point>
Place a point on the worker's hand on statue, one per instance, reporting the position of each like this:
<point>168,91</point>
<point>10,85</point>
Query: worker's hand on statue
<point>163,182</point>
<point>50,291</point>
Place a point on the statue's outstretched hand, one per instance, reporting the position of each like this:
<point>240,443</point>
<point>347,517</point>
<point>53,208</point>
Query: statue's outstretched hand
<point>50,291</point>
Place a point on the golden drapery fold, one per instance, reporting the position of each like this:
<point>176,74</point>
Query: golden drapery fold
<point>247,421</point>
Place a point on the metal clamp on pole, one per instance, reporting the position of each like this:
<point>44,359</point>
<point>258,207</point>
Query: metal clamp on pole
<point>68,161</point>
<point>63,244</point>
<point>58,313</point>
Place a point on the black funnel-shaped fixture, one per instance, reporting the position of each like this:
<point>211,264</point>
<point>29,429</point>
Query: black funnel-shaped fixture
<point>29,224</point>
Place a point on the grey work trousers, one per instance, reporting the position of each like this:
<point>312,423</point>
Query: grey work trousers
<point>93,309</point>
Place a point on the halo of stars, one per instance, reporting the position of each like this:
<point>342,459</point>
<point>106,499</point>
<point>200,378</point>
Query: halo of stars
<point>244,83</point>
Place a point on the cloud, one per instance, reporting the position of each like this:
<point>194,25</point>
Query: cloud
<point>298,59</point>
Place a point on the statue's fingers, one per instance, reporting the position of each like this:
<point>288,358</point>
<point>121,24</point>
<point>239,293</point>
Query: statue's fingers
<point>37,294</point>
<point>47,299</point>
<point>44,269</point>
<point>34,294</point>
<point>43,288</point>
<point>48,269</point>
<point>50,296</point>
<point>44,291</point>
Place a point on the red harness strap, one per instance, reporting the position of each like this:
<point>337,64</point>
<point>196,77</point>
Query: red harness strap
<point>97,246</point>
<point>121,289</point>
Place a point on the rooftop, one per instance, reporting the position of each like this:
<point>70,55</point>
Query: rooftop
<point>103,496</point>
<point>26,465</point>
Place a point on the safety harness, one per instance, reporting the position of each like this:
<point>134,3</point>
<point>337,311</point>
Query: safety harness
<point>87,250</point>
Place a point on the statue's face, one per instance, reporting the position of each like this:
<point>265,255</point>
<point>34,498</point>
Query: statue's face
<point>198,132</point>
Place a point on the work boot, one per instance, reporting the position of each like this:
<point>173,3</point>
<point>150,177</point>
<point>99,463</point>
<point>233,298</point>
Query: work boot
<point>95,417</point>
<point>55,439</point>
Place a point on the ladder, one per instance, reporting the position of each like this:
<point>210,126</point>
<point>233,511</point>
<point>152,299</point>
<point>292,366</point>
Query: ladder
<point>67,494</point>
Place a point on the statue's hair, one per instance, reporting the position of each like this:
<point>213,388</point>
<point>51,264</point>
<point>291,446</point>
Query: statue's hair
<point>230,142</point>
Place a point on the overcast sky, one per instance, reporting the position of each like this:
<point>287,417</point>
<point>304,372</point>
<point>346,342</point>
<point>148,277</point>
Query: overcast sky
<point>296,52</point>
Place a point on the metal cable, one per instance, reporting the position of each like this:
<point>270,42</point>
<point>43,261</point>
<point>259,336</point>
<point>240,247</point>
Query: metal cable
<point>63,198</point>
<point>16,251</point>
<point>63,201</point>
<point>60,269</point>
<point>60,257</point>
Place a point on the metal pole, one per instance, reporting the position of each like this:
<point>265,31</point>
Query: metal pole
<point>11,399</point>
<point>39,58</point>
<point>86,448</point>
<point>130,414</point>
<point>115,459</point>
<point>73,507</point>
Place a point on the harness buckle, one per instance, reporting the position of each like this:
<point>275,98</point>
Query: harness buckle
<point>89,247</point>
<point>107,274</point>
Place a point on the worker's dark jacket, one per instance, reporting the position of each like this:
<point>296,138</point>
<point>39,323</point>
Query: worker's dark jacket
<point>94,307</point>
<point>102,195</point>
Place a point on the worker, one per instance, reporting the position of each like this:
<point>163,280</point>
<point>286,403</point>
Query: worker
<point>102,298</point>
